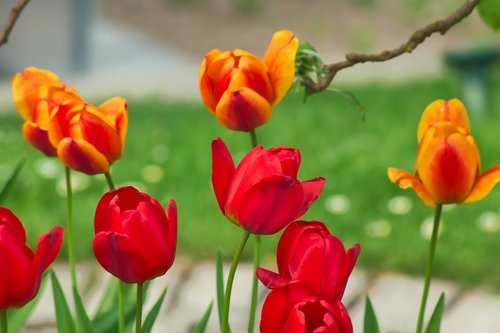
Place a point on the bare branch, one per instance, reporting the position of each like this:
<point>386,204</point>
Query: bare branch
<point>11,21</point>
<point>351,59</point>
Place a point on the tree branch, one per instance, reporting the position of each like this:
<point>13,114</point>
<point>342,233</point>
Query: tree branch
<point>351,59</point>
<point>11,21</point>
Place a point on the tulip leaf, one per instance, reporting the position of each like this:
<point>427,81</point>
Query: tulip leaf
<point>489,10</point>
<point>81,313</point>
<point>370,321</point>
<point>434,325</point>
<point>64,320</point>
<point>153,313</point>
<point>108,299</point>
<point>18,317</point>
<point>202,324</point>
<point>12,179</point>
<point>220,286</point>
<point>355,103</point>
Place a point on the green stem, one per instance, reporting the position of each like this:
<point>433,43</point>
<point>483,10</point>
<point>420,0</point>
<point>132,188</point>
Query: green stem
<point>111,185</point>
<point>253,304</point>
<point>121,307</point>
<point>69,229</point>
<point>3,322</point>
<point>430,261</point>
<point>138,313</point>
<point>253,137</point>
<point>230,279</point>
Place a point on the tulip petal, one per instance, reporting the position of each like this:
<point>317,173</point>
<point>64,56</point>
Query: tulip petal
<point>38,138</point>
<point>105,214</point>
<point>172,230</point>
<point>82,156</point>
<point>242,110</point>
<point>270,279</point>
<point>350,260</point>
<point>289,159</point>
<point>120,257</point>
<point>206,84</point>
<point>270,205</point>
<point>280,60</point>
<point>452,111</point>
<point>406,180</point>
<point>222,171</point>
<point>484,184</point>
<point>9,220</point>
<point>312,189</point>
<point>254,76</point>
<point>115,110</point>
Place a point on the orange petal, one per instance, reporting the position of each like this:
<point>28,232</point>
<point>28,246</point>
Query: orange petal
<point>242,110</point>
<point>452,111</point>
<point>206,84</point>
<point>59,124</point>
<point>484,184</point>
<point>280,60</point>
<point>255,73</point>
<point>82,156</point>
<point>406,180</point>
<point>115,110</point>
<point>38,138</point>
<point>26,89</point>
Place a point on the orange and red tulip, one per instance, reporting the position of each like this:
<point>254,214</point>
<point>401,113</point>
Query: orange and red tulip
<point>240,89</point>
<point>447,169</point>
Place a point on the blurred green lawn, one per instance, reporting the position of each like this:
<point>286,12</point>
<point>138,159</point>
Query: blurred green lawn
<point>168,155</point>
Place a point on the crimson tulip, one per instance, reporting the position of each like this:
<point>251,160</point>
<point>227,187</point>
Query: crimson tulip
<point>21,269</point>
<point>448,166</point>
<point>262,195</point>
<point>240,89</point>
<point>135,238</point>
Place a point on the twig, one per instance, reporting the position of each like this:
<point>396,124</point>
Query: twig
<point>351,59</point>
<point>11,21</point>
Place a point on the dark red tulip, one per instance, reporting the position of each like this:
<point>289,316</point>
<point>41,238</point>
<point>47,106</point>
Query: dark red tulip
<point>135,237</point>
<point>21,269</point>
<point>263,194</point>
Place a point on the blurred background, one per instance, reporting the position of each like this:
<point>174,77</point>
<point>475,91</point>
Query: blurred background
<point>149,51</point>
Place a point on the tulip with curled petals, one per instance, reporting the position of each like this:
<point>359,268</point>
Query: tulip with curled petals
<point>262,195</point>
<point>448,166</point>
<point>135,238</point>
<point>21,269</point>
<point>240,89</point>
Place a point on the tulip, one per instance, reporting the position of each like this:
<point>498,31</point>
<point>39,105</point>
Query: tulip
<point>36,93</point>
<point>21,269</point>
<point>88,138</point>
<point>262,195</point>
<point>308,252</point>
<point>447,168</point>
<point>294,307</point>
<point>135,238</point>
<point>240,89</point>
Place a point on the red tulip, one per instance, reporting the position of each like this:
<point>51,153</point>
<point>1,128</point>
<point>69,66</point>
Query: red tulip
<point>295,308</point>
<point>135,238</point>
<point>263,194</point>
<point>21,269</point>
<point>307,251</point>
<point>240,89</point>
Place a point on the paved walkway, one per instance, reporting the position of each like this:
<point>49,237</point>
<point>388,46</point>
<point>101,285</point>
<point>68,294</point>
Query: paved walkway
<point>191,287</point>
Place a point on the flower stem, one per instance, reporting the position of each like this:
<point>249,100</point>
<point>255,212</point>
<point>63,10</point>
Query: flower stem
<point>3,322</point>
<point>121,307</point>
<point>430,262</point>
<point>230,279</point>
<point>138,313</point>
<point>256,262</point>
<point>253,304</point>
<point>111,185</point>
<point>69,228</point>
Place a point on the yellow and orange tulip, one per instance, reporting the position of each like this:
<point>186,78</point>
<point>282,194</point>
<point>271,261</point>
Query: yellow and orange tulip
<point>447,169</point>
<point>60,123</point>
<point>240,89</point>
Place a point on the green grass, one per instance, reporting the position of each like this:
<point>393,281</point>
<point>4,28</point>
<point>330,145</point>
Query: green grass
<point>175,138</point>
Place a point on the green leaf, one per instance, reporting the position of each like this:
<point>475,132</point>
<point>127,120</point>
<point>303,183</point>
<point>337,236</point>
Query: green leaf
<point>83,318</point>
<point>489,10</point>
<point>10,182</point>
<point>64,319</point>
<point>434,325</point>
<point>220,286</point>
<point>18,317</point>
<point>108,300</point>
<point>202,324</point>
<point>355,103</point>
<point>370,322</point>
<point>153,313</point>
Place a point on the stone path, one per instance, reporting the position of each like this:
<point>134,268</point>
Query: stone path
<point>191,287</point>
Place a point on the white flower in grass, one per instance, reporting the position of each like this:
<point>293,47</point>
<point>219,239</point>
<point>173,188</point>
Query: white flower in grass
<point>152,173</point>
<point>79,183</point>
<point>488,222</point>
<point>48,168</point>
<point>337,204</point>
<point>399,205</point>
<point>427,226</point>
<point>378,229</point>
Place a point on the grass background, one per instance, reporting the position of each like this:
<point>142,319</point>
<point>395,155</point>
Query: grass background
<point>168,155</point>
